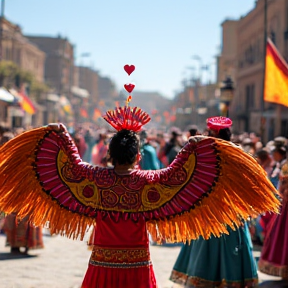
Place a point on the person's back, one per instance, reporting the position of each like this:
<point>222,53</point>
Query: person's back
<point>120,243</point>
<point>149,159</point>
<point>226,261</point>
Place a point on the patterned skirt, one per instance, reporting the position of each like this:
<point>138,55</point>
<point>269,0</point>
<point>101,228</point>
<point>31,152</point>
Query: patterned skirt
<point>21,233</point>
<point>274,256</point>
<point>218,262</point>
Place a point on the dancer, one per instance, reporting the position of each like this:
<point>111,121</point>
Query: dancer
<point>218,262</point>
<point>200,193</point>
<point>274,254</point>
<point>22,234</point>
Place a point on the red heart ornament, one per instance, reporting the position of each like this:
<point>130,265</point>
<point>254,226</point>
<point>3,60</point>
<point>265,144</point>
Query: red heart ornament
<point>129,68</point>
<point>129,87</point>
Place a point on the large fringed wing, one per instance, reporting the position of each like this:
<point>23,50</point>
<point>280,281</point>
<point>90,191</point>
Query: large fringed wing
<point>210,184</point>
<point>35,168</point>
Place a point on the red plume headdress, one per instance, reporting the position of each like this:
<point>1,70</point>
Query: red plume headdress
<point>127,117</point>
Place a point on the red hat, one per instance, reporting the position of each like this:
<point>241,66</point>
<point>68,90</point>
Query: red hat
<point>218,123</point>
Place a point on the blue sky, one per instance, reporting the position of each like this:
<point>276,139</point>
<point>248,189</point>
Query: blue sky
<point>158,36</point>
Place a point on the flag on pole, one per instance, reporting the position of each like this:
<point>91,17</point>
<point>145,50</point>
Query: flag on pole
<point>26,104</point>
<point>276,76</point>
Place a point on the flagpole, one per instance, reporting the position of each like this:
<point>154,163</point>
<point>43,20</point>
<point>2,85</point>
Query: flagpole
<point>1,28</point>
<point>262,104</point>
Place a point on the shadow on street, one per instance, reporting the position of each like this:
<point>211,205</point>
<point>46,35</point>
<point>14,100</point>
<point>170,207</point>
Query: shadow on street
<point>15,256</point>
<point>274,284</point>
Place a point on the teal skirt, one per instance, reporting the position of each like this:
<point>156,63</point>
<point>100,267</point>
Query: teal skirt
<point>218,262</point>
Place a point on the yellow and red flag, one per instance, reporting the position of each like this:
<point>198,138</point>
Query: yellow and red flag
<point>26,103</point>
<point>276,76</point>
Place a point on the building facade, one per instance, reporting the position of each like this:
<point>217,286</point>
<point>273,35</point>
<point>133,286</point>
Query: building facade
<point>59,64</point>
<point>227,60</point>
<point>16,48</point>
<point>248,109</point>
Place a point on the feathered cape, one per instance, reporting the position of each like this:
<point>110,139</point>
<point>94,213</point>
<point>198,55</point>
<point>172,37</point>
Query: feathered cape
<point>211,183</point>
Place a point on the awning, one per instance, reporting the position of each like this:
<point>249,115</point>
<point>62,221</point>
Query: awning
<point>53,97</point>
<point>82,93</point>
<point>66,105</point>
<point>6,96</point>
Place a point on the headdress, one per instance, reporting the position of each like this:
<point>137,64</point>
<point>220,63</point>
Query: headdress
<point>279,144</point>
<point>218,123</point>
<point>127,117</point>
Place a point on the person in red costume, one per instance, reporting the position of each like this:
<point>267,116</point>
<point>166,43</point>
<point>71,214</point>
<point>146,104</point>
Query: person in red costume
<point>203,190</point>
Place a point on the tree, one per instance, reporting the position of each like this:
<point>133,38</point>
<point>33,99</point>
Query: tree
<point>37,89</point>
<point>8,72</point>
<point>23,77</point>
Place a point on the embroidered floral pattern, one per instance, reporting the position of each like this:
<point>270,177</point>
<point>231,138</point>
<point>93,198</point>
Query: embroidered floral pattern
<point>118,255</point>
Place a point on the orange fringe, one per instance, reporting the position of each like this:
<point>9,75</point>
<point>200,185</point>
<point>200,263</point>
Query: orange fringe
<point>20,190</point>
<point>242,190</point>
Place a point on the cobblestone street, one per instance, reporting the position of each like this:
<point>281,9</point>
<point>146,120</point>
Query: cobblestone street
<point>63,262</point>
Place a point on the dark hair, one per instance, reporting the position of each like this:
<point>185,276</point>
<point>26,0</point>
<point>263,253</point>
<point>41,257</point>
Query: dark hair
<point>124,147</point>
<point>262,154</point>
<point>280,149</point>
<point>224,134</point>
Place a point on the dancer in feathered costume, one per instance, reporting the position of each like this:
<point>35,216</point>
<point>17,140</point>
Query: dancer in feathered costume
<point>225,261</point>
<point>274,255</point>
<point>210,185</point>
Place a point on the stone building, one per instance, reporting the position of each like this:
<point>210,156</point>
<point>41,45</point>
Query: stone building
<point>15,47</point>
<point>226,61</point>
<point>59,74</point>
<point>248,110</point>
<point>107,92</point>
<point>59,64</point>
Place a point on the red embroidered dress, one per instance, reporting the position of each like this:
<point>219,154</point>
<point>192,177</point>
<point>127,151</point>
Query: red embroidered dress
<point>120,256</point>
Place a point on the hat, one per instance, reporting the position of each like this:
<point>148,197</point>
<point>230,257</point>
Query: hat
<point>218,123</point>
<point>280,141</point>
<point>247,141</point>
<point>279,144</point>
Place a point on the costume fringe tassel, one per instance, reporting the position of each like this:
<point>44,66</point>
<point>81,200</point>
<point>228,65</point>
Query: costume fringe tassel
<point>242,191</point>
<point>17,171</point>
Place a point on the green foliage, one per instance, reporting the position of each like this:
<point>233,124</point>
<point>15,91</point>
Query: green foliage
<point>11,74</point>
<point>8,72</point>
<point>22,77</point>
<point>37,88</point>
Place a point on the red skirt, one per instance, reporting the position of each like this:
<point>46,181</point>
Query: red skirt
<point>127,270</point>
<point>274,255</point>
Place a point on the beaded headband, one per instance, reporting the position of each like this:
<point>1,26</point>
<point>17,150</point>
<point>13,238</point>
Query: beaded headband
<point>127,117</point>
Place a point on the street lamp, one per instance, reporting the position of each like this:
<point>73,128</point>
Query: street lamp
<point>199,59</point>
<point>226,95</point>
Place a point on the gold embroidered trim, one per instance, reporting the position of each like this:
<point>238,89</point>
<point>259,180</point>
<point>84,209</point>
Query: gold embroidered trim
<point>196,282</point>
<point>118,255</point>
<point>273,269</point>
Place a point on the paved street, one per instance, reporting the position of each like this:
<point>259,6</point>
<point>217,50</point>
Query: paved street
<point>63,262</point>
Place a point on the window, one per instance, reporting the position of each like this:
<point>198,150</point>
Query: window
<point>284,128</point>
<point>250,97</point>
<point>273,37</point>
